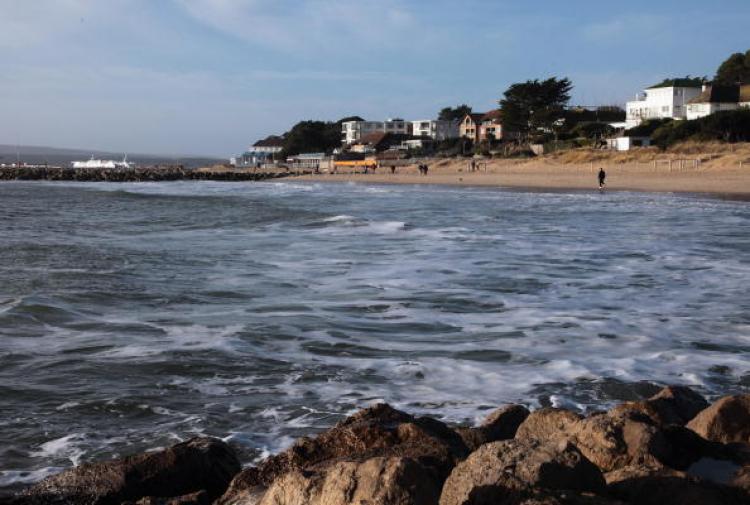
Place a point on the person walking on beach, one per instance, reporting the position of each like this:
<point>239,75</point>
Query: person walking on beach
<point>602,178</point>
<point>393,169</point>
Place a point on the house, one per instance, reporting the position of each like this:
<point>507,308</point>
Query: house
<point>435,129</point>
<point>745,95</point>
<point>479,126</point>
<point>310,161</point>
<point>666,100</point>
<point>353,131</point>
<point>715,98</point>
<point>627,143</point>
<point>469,127</point>
<point>263,151</point>
<point>491,127</point>
<point>370,143</point>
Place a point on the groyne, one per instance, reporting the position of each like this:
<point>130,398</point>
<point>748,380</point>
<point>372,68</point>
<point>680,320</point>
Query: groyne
<point>139,174</point>
<point>672,448</point>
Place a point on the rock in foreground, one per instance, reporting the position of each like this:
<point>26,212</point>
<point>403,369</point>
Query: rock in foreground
<point>200,465</point>
<point>669,449</point>
<point>727,420</point>
<point>514,470</point>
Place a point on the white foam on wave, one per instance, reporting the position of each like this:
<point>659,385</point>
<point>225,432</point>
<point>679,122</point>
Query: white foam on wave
<point>69,446</point>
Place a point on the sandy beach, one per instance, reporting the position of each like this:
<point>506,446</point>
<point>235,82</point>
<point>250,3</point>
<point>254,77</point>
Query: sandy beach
<point>728,179</point>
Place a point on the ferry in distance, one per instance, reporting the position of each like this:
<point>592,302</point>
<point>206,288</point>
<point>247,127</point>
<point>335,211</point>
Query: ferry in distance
<point>110,164</point>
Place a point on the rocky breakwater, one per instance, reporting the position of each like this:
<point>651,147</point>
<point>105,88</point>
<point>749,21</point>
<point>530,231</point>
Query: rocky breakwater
<point>673,448</point>
<point>138,174</point>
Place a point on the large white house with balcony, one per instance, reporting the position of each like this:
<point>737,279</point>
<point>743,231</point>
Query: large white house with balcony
<point>666,100</point>
<point>353,131</point>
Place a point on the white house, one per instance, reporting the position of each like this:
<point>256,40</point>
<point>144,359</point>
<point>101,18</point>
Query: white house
<point>435,129</point>
<point>666,100</point>
<point>628,143</point>
<point>353,131</point>
<point>715,98</point>
<point>260,152</point>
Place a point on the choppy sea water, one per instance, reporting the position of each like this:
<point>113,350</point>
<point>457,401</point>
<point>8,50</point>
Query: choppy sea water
<point>136,315</point>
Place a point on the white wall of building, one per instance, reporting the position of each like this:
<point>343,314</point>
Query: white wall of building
<point>435,129</point>
<point>352,131</point>
<point>699,110</point>
<point>628,143</point>
<point>660,103</point>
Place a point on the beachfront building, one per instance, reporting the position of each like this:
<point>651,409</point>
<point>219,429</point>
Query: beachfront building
<point>310,161</point>
<point>491,127</point>
<point>715,98</point>
<point>353,131</point>
<point>435,129</point>
<point>666,100</point>
<point>480,126</point>
<point>626,143</point>
<point>745,95</point>
<point>263,151</point>
<point>470,125</point>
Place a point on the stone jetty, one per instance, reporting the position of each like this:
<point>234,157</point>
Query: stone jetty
<point>673,448</point>
<point>139,174</point>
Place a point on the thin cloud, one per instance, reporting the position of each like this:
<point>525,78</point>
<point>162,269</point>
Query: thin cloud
<point>287,25</point>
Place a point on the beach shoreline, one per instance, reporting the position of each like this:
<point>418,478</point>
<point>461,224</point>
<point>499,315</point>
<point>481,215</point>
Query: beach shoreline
<point>715,180</point>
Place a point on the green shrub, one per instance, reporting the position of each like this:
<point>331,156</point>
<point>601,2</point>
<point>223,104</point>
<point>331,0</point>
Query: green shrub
<point>727,126</point>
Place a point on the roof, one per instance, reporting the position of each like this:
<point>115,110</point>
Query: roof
<point>718,94</point>
<point>373,138</point>
<point>493,115</point>
<point>476,117</point>
<point>270,141</point>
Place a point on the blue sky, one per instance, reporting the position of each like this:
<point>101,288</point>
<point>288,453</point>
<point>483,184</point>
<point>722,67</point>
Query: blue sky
<point>211,76</point>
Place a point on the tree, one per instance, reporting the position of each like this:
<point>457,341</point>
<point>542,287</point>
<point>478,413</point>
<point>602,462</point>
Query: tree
<point>454,114</point>
<point>312,136</point>
<point>734,70</point>
<point>681,82</point>
<point>592,130</point>
<point>535,106</point>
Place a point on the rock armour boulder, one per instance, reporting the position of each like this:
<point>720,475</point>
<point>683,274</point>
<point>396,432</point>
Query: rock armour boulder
<point>199,465</point>
<point>727,420</point>
<point>512,471</point>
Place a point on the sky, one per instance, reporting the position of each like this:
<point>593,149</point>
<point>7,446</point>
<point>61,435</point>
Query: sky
<point>209,77</point>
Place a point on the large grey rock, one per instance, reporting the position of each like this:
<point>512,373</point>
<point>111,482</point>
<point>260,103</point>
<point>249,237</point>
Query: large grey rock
<point>512,471</point>
<point>727,420</point>
<point>376,432</point>
<point>381,481</point>
<point>200,464</point>
<point>617,439</point>
<point>500,424</point>
<point>671,405</point>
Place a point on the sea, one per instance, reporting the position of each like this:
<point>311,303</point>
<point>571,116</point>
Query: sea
<point>133,316</point>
